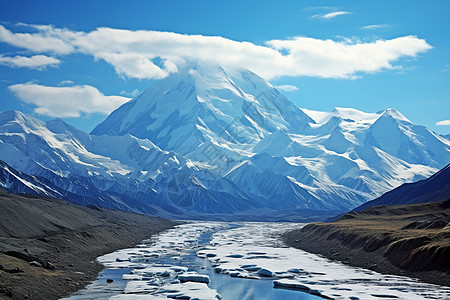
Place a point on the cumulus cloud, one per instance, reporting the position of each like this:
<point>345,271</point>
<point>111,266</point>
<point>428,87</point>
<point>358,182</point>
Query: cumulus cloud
<point>66,101</point>
<point>47,39</point>
<point>147,54</point>
<point>39,62</point>
<point>331,15</point>
<point>328,58</point>
<point>443,123</point>
<point>287,87</point>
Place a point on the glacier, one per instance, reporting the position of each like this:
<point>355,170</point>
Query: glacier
<point>209,142</point>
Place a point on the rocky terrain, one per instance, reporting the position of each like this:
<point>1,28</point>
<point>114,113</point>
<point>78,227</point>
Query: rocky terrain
<point>411,240</point>
<point>48,247</point>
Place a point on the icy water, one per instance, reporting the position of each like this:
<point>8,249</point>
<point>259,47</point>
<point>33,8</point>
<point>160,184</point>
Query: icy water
<point>241,261</point>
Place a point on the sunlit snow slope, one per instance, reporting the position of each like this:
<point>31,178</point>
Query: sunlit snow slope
<point>212,141</point>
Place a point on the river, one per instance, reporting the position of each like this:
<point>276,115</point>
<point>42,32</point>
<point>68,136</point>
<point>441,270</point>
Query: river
<point>244,260</point>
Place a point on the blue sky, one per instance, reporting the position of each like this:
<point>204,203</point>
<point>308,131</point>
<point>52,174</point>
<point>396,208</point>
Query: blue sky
<point>369,55</point>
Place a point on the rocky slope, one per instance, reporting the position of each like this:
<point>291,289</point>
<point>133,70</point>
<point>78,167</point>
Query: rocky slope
<point>48,246</point>
<point>412,240</point>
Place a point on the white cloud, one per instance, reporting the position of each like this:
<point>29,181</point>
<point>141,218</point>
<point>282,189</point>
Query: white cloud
<point>330,15</point>
<point>154,54</point>
<point>443,123</point>
<point>287,87</point>
<point>133,65</point>
<point>66,101</point>
<point>375,26</point>
<point>328,58</point>
<point>39,62</point>
<point>134,93</point>
<point>47,39</point>
<point>66,82</point>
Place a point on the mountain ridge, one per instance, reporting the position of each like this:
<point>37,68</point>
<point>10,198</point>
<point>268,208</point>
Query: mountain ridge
<point>227,142</point>
<point>433,189</point>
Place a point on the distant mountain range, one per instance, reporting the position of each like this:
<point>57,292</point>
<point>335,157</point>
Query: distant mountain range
<point>433,189</point>
<point>210,141</point>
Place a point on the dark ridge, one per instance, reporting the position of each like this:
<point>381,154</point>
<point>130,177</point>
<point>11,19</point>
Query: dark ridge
<point>432,189</point>
<point>411,240</point>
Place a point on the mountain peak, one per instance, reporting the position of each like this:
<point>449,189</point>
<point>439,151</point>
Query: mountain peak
<point>11,115</point>
<point>216,159</point>
<point>58,123</point>
<point>392,112</point>
<point>205,104</point>
<point>353,114</point>
<point>17,118</point>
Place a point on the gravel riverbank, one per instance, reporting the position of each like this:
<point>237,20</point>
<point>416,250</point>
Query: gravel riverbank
<point>48,247</point>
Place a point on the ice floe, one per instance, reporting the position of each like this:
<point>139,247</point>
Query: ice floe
<point>161,281</point>
<point>193,277</point>
<point>256,249</point>
<point>162,267</point>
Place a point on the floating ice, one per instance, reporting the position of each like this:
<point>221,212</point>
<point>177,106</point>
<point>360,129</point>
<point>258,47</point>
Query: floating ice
<point>265,273</point>
<point>256,250</point>
<point>137,297</point>
<point>150,280</point>
<point>194,277</point>
<point>250,251</point>
<point>294,284</point>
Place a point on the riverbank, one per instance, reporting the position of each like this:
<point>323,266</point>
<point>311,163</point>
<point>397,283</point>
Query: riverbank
<point>408,240</point>
<point>247,256</point>
<point>48,247</point>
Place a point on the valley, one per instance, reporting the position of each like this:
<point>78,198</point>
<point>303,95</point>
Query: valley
<point>224,150</point>
<point>223,147</point>
<point>240,261</point>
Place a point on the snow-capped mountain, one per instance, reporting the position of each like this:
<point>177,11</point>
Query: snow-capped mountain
<point>70,162</point>
<point>204,110</point>
<point>216,141</point>
<point>21,183</point>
